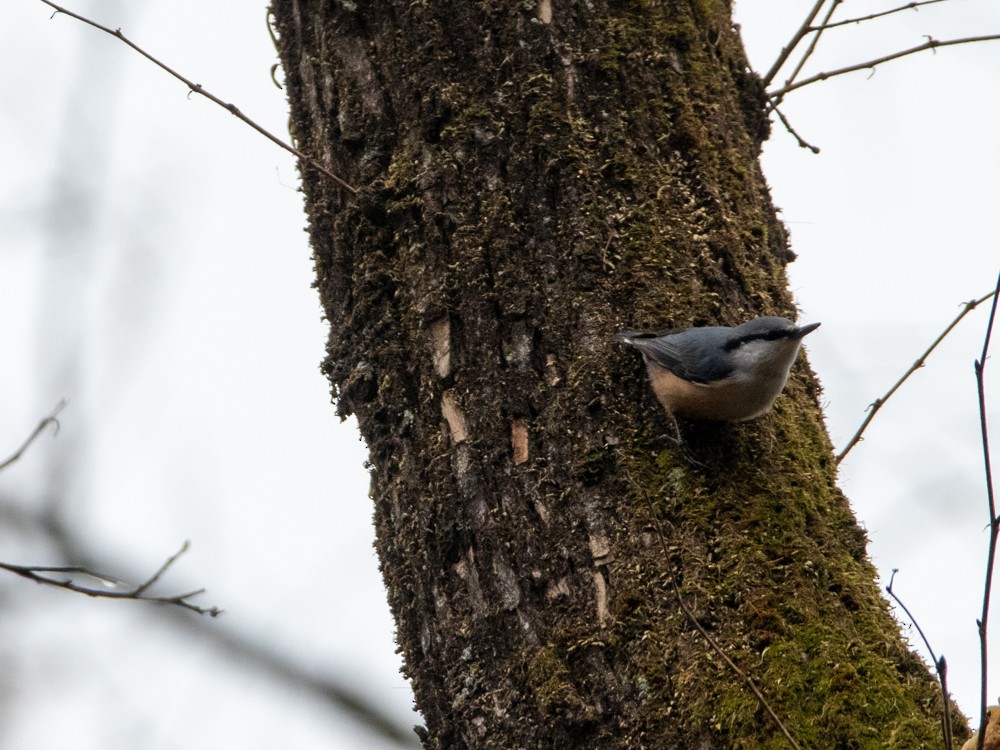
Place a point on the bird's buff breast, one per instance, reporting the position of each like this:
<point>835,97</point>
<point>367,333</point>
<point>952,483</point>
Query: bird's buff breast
<point>726,400</point>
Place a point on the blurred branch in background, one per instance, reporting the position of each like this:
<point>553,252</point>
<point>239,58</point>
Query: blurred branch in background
<point>248,653</point>
<point>343,697</point>
<point>243,651</point>
<point>75,254</point>
<point>113,587</point>
<point>49,420</point>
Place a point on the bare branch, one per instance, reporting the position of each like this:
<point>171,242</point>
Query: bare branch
<point>139,590</point>
<point>773,104</point>
<point>818,30</point>
<point>37,573</point>
<point>879,402</point>
<point>790,129</point>
<point>787,50</point>
<point>198,89</point>
<point>929,44</point>
<point>50,419</point>
<point>908,6</point>
<point>940,665</point>
<point>980,368</point>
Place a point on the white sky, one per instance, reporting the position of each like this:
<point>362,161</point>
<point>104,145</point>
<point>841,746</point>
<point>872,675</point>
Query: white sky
<point>169,300</point>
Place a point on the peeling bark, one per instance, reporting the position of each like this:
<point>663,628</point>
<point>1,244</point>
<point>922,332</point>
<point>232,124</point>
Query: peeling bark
<point>535,177</point>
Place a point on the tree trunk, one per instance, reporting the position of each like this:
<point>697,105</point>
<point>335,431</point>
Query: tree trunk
<point>534,177</point>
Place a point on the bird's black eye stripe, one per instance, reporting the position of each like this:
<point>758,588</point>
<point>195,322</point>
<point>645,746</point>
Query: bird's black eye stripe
<point>769,336</point>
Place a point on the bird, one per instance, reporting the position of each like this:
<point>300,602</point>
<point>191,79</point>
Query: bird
<point>720,373</point>
<point>991,739</point>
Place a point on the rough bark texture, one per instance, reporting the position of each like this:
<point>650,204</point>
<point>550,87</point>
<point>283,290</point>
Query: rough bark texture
<point>535,177</point>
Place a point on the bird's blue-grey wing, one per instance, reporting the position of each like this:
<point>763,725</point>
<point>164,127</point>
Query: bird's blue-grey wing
<point>690,359</point>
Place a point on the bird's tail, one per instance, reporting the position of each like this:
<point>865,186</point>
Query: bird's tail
<point>627,337</point>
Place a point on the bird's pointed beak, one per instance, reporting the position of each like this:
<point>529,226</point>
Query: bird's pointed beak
<point>803,331</point>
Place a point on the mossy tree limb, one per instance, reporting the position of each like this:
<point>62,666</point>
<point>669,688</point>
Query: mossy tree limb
<point>535,177</point>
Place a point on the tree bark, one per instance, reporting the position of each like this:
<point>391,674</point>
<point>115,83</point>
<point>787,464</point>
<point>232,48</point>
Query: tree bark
<point>533,177</point>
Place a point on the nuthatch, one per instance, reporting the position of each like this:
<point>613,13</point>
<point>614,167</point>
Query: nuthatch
<point>992,738</point>
<point>717,372</point>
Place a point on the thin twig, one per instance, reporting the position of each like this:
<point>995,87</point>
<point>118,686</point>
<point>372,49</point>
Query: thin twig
<point>808,53</point>
<point>818,32</point>
<point>880,402</point>
<point>980,368</point>
<point>788,126</point>
<point>940,665</point>
<point>747,679</point>
<point>142,588</point>
<point>908,6</point>
<point>37,573</point>
<point>199,89</point>
<point>50,419</point>
<point>929,44</point>
<point>787,50</point>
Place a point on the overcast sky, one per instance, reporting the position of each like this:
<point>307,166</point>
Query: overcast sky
<point>154,271</point>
